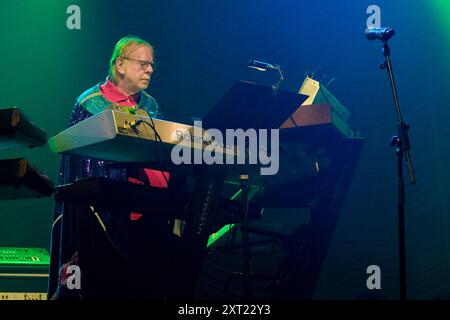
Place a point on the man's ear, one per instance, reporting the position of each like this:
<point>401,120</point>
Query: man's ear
<point>119,66</point>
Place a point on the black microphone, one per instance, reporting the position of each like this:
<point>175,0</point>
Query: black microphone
<point>384,34</point>
<point>263,66</point>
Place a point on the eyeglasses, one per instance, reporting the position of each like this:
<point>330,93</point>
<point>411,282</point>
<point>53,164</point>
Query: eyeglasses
<point>143,64</point>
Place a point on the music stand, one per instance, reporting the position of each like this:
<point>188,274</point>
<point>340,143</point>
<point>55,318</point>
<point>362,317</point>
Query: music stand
<point>250,105</point>
<point>245,106</point>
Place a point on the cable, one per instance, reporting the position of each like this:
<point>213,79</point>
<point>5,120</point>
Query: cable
<point>103,227</point>
<point>158,139</point>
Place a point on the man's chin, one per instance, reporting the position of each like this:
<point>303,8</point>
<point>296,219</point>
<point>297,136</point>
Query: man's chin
<point>143,86</point>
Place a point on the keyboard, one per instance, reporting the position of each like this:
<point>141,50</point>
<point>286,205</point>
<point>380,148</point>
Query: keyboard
<point>19,179</point>
<point>123,137</point>
<point>24,256</point>
<point>18,131</point>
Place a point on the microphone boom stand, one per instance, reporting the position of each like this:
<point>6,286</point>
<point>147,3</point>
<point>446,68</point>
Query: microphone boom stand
<point>402,146</point>
<point>277,85</point>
